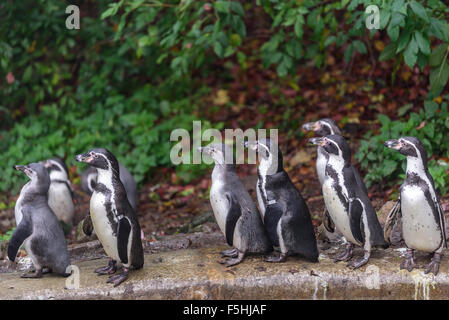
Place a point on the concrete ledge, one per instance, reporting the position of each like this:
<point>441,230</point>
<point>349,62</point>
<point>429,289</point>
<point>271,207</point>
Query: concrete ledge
<point>192,272</point>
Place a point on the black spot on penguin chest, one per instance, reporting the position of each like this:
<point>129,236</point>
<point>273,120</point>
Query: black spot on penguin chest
<point>337,185</point>
<point>108,204</point>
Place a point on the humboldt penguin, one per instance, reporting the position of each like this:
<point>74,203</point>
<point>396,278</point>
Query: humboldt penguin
<point>114,219</point>
<point>89,179</point>
<point>324,127</point>
<point>234,210</point>
<point>285,213</point>
<point>349,207</point>
<point>60,193</point>
<point>423,226</point>
<point>38,228</point>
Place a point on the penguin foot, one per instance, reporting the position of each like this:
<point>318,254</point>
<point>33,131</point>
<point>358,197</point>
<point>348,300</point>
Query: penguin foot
<point>32,275</point>
<point>434,265</point>
<point>346,255</point>
<point>231,253</point>
<point>109,269</point>
<point>232,262</point>
<point>281,258</point>
<point>409,262</point>
<point>118,278</point>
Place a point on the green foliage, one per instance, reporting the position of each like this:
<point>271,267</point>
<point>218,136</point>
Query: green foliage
<point>430,125</point>
<point>7,236</point>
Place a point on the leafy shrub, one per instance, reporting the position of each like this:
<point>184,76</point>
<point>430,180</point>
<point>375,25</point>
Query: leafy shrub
<point>430,125</point>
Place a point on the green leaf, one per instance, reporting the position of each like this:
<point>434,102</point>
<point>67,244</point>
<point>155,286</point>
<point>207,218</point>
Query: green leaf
<point>359,46</point>
<point>419,10</point>
<point>440,29</point>
<point>393,32</point>
<point>329,40</point>
<point>430,108</point>
<point>396,19</point>
<point>439,77</point>
<point>388,52</point>
<point>237,8</point>
<point>423,42</point>
<point>411,53</point>
<point>403,110</point>
<point>403,40</point>
<point>218,49</point>
<point>298,28</point>
<point>222,6</point>
<point>437,55</point>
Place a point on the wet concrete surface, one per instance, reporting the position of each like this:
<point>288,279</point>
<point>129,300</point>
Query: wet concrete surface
<point>185,267</point>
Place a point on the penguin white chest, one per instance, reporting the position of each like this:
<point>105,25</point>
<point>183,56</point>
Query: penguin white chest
<point>102,225</point>
<point>260,198</point>
<point>60,201</point>
<point>337,211</point>
<point>220,204</point>
<point>321,162</point>
<point>419,228</point>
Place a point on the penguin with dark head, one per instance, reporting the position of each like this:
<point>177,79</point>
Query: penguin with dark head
<point>38,228</point>
<point>113,218</point>
<point>325,127</point>
<point>234,210</point>
<point>285,213</point>
<point>348,206</point>
<point>60,193</point>
<point>423,226</point>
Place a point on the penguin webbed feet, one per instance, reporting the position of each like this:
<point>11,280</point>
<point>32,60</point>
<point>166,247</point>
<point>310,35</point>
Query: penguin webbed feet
<point>109,269</point>
<point>434,265</point>
<point>231,253</point>
<point>33,274</point>
<point>409,262</point>
<point>119,278</point>
<point>359,263</point>
<point>345,255</point>
<point>277,259</point>
<point>229,262</point>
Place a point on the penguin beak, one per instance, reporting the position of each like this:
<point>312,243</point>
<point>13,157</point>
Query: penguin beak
<point>393,144</point>
<point>311,126</point>
<point>84,157</point>
<point>318,141</point>
<point>24,169</point>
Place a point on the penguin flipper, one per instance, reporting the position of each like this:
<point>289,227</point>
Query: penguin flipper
<point>355,218</point>
<point>327,222</point>
<point>22,232</point>
<point>359,180</point>
<point>273,214</point>
<point>391,220</point>
<point>442,224</point>
<point>123,230</point>
<point>234,213</point>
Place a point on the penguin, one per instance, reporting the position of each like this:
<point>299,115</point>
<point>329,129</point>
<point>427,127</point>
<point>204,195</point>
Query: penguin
<point>347,204</point>
<point>114,219</point>
<point>39,229</point>
<point>423,226</point>
<point>324,127</point>
<point>89,179</point>
<point>285,213</point>
<point>60,193</point>
<point>234,210</point>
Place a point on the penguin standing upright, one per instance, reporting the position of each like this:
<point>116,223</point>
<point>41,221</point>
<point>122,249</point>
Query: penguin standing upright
<point>234,210</point>
<point>60,193</point>
<point>348,206</point>
<point>38,228</point>
<point>113,218</point>
<point>325,127</point>
<point>423,226</point>
<point>285,213</point>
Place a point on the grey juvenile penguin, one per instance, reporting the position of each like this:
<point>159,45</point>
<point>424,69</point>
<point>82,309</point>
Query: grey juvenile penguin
<point>285,213</point>
<point>38,228</point>
<point>60,193</point>
<point>234,210</point>
<point>113,218</point>
<point>348,205</point>
<point>325,127</point>
<point>422,217</point>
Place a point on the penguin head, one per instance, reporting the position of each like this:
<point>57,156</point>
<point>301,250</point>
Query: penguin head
<point>221,153</point>
<point>56,168</point>
<point>99,158</point>
<point>322,127</point>
<point>408,146</point>
<point>38,175</point>
<point>335,145</point>
<point>268,152</point>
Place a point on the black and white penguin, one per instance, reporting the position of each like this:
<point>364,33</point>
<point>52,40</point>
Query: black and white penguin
<point>285,213</point>
<point>325,127</point>
<point>349,207</point>
<point>60,193</point>
<point>89,179</point>
<point>234,210</point>
<point>39,229</point>
<point>113,218</point>
<point>422,217</point>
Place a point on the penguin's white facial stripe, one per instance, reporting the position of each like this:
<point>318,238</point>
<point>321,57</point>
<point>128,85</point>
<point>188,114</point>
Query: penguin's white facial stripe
<point>91,179</point>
